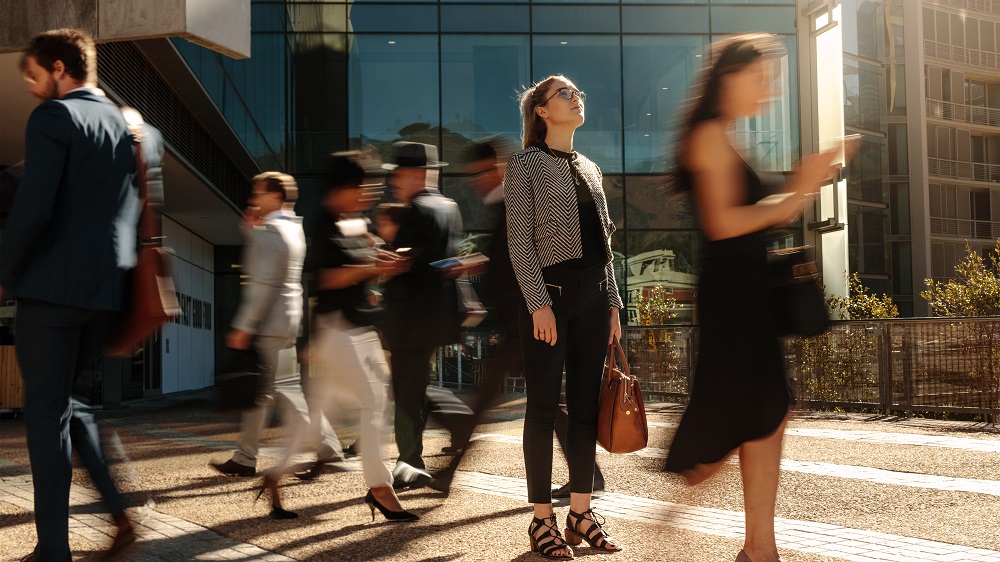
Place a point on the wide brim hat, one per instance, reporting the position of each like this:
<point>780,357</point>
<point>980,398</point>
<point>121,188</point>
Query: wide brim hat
<point>414,155</point>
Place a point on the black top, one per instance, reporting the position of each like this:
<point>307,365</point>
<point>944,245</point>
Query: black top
<point>591,231</point>
<point>334,249</point>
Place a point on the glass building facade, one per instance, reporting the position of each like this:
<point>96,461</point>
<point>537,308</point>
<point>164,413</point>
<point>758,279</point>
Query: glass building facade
<point>878,187</point>
<point>328,76</point>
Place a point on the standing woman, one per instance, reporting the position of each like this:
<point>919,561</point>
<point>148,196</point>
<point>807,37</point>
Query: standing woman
<point>347,352</point>
<point>560,247</point>
<point>740,399</point>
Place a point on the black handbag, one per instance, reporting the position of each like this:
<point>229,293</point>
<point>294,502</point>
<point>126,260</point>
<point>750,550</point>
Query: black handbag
<point>240,383</point>
<point>795,295</point>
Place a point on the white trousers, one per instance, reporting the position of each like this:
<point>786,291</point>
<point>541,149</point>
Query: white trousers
<point>351,368</point>
<point>283,391</point>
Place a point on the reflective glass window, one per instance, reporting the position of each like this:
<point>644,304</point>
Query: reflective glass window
<point>480,76</point>
<point>625,2</point>
<point>267,17</point>
<point>902,269</point>
<point>614,193</point>
<point>732,19</point>
<point>393,88</point>
<point>752,1</point>
<point>861,20</point>
<point>575,19</point>
<point>897,148</point>
<point>320,97</point>
<point>862,94</point>
<point>365,18</point>
<point>593,63</point>
<point>317,17</point>
<point>487,19</point>
<point>658,71</point>
<point>648,205</point>
<point>658,19</point>
<point>660,259</point>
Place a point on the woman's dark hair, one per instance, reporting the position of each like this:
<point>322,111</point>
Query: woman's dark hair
<point>73,47</point>
<point>731,54</point>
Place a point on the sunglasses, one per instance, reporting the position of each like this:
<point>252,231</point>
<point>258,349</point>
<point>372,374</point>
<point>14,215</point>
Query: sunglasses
<point>567,94</point>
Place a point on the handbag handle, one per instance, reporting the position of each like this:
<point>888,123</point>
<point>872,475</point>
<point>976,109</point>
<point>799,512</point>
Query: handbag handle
<point>149,234</point>
<point>616,347</point>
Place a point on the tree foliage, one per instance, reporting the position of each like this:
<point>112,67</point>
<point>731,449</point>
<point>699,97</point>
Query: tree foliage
<point>656,309</point>
<point>976,291</point>
<point>860,304</point>
<point>657,346</point>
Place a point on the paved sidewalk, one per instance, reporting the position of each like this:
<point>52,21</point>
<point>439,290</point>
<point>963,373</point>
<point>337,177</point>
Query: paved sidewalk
<point>897,492</point>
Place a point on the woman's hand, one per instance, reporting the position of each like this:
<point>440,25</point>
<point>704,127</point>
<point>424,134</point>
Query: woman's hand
<point>545,325</point>
<point>616,326</point>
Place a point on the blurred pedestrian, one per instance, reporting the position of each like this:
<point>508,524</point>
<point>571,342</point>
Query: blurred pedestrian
<point>269,318</point>
<point>347,357</point>
<point>740,399</point>
<point>70,241</point>
<point>422,306</point>
<point>560,247</point>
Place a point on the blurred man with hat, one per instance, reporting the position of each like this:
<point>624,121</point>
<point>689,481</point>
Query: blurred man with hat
<point>421,305</point>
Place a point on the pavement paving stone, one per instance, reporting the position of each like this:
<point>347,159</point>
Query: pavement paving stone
<point>178,539</point>
<point>838,541</point>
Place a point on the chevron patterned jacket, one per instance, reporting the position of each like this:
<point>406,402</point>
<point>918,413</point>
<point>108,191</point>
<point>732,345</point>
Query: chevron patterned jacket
<point>543,219</point>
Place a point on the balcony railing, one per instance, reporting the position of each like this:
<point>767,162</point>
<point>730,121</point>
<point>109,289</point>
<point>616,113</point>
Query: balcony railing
<point>965,228</point>
<point>963,170</point>
<point>965,113</point>
<point>984,6</point>
<point>961,55</point>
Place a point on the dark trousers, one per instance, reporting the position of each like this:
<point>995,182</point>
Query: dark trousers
<point>580,305</point>
<point>508,359</point>
<point>410,374</point>
<point>55,345</point>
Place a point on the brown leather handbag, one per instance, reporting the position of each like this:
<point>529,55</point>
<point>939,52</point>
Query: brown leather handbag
<point>621,419</point>
<point>153,300</point>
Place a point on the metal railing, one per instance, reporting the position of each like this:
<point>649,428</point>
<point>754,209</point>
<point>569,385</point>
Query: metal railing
<point>963,170</point>
<point>915,365</point>
<point>965,228</point>
<point>965,113</point>
<point>984,6</point>
<point>961,55</point>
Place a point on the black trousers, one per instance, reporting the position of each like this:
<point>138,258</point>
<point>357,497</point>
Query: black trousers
<point>415,402</point>
<point>580,305</point>
<point>508,358</point>
<point>55,346</point>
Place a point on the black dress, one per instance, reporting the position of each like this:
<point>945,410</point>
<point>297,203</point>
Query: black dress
<point>740,392</point>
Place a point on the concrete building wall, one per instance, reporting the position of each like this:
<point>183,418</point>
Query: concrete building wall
<point>220,25</point>
<point>188,343</point>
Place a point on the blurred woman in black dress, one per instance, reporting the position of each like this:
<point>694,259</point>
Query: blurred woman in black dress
<point>740,399</point>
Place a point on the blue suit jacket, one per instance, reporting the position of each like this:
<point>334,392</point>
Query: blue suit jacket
<point>71,233</point>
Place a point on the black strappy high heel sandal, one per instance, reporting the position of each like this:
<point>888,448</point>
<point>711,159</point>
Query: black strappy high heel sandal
<point>594,533</point>
<point>393,516</point>
<point>549,541</point>
<point>277,512</point>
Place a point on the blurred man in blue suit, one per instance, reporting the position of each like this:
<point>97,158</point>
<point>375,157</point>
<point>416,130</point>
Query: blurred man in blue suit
<point>65,256</point>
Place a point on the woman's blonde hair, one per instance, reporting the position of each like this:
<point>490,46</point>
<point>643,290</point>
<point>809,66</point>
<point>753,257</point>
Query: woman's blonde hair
<point>532,127</point>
